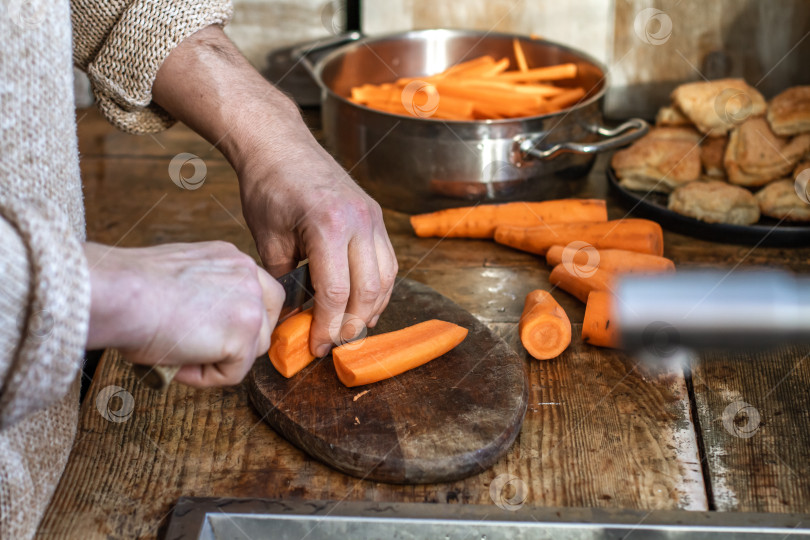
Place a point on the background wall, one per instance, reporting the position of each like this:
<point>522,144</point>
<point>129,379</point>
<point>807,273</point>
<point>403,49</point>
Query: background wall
<point>648,45</point>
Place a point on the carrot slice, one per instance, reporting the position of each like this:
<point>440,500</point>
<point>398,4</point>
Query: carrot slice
<point>640,235</point>
<point>482,220</point>
<point>617,261</point>
<point>289,344</point>
<point>387,355</point>
<point>580,284</point>
<point>566,98</point>
<point>545,330</point>
<point>520,58</point>
<point>599,326</point>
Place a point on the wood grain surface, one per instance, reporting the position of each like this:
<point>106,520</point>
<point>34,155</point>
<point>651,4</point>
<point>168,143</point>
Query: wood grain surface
<point>600,431</point>
<point>448,419</point>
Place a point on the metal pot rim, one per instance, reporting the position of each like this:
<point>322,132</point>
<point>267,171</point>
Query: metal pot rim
<point>317,72</point>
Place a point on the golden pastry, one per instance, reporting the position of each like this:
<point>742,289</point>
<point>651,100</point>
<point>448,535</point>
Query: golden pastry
<point>715,202</point>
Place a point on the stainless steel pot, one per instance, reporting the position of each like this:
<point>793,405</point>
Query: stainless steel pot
<point>421,164</point>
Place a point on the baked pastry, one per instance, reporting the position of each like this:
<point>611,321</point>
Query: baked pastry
<point>671,116</point>
<point>789,112</point>
<point>755,155</point>
<point>781,201</point>
<point>712,151</point>
<point>800,168</point>
<point>717,106</point>
<point>715,202</point>
<point>662,160</point>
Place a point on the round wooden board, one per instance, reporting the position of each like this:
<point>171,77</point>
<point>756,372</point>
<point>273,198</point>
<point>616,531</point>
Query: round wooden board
<point>446,420</point>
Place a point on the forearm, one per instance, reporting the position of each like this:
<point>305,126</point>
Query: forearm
<point>207,84</point>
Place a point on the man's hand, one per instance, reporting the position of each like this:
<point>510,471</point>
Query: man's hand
<point>205,306</point>
<point>298,202</point>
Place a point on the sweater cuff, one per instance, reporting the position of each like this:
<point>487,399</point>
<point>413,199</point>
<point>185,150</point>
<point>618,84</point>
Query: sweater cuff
<point>50,307</point>
<point>125,67</point>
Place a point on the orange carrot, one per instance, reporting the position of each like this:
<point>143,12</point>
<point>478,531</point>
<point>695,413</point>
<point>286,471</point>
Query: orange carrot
<point>545,330</point>
<point>387,355</point>
<point>640,235</point>
<point>617,261</point>
<point>599,326</point>
<point>580,284</point>
<point>567,98</point>
<point>465,67</point>
<point>548,73</point>
<point>289,344</point>
<point>481,221</point>
<point>520,58</point>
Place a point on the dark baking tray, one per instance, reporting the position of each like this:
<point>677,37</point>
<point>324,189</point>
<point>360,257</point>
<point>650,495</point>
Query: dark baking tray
<point>766,232</point>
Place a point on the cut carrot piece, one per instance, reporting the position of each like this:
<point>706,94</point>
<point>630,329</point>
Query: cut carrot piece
<point>520,58</point>
<point>599,326</point>
<point>289,344</point>
<point>545,330</point>
<point>387,355</point>
<point>580,284</point>
<point>548,73</point>
<point>481,221</point>
<point>617,261</point>
<point>466,66</point>
<point>640,235</point>
<point>566,98</point>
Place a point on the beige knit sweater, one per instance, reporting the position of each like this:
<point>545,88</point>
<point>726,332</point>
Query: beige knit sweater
<point>45,291</point>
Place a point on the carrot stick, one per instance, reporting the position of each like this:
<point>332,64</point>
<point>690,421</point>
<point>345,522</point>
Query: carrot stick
<point>520,58</point>
<point>289,344</point>
<point>387,355</point>
<point>548,73</point>
<point>599,326</point>
<point>463,67</point>
<point>566,99</point>
<point>617,261</point>
<point>482,220</point>
<point>493,96</point>
<point>545,330</point>
<point>640,235</point>
<point>580,284</point>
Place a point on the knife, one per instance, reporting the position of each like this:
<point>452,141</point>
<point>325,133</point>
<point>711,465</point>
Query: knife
<point>298,291</point>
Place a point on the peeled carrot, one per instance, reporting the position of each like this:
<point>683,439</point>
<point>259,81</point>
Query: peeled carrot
<point>494,92</point>
<point>289,344</point>
<point>599,326</point>
<point>617,261</point>
<point>387,355</point>
<point>640,235</point>
<point>481,221</point>
<point>548,73</point>
<point>580,284</point>
<point>545,330</point>
<point>520,58</point>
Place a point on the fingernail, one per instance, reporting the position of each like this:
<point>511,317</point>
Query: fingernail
<point>323,350</point>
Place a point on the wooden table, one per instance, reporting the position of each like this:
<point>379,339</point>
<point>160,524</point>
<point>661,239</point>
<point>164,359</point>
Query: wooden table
<point>601,430</point>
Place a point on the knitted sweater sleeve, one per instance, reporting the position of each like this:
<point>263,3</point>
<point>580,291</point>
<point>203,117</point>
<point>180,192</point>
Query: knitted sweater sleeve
<point>121,44</point>
<point>44,304</point>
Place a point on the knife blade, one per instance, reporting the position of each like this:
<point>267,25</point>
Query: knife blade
<point>298,291</point>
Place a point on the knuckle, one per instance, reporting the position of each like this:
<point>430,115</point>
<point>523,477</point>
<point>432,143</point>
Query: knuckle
<point>368,291</point>
<point>248,317</point>
<point>335,294</point>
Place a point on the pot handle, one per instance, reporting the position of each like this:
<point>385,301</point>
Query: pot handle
<point>530,145</point>
<point>302,53</point>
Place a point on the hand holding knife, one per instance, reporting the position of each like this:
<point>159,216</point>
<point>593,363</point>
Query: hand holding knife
<point>298,291</point>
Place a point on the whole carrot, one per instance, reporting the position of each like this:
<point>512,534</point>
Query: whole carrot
<point>617,261</point>
<point>545,330</point>
<point>640,235</point>
<point>580,283</point>
<point>482,220</point>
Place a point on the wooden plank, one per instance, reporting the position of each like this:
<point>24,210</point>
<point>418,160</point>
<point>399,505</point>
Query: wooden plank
<point>754,414</point>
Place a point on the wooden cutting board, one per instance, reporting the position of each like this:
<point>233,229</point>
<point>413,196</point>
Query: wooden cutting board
<point>448,419</point>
